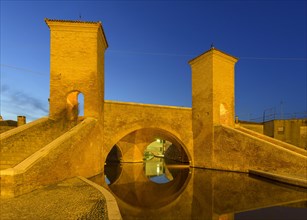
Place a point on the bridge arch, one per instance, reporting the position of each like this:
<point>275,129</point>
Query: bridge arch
<point>133,141</point>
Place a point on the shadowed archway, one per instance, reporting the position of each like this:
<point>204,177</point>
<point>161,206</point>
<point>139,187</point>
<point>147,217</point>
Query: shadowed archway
<point>133,145</point>
<point>74,105</point>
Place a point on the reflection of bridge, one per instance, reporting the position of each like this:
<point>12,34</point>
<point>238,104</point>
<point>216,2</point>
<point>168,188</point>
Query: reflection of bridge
<point>63,145</point>
<point>196,194</point>
<point>136,189</point>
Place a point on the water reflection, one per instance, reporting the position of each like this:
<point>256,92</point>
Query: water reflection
<point>136,188</point>
<point>157,171</point>
<point>187,193</point>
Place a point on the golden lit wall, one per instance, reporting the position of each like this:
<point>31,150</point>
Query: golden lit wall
<point>212,100</point>
<point>76,64</point>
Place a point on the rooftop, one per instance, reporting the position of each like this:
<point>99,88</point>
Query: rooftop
<point>73,21</point>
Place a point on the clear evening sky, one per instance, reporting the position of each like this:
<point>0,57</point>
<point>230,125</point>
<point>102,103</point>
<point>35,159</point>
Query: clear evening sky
<point>150,44</point>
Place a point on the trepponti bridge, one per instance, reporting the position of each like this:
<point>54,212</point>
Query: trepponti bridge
<point>64,145</point>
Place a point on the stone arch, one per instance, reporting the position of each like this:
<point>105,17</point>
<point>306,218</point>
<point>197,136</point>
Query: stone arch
<point>113,160</point>
<point>143,136</point>
<point>73,104</point>
<point>115,154</point>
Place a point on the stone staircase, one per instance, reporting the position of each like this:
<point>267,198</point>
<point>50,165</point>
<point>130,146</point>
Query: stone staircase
<point>46,151</point>
<point>274,141</point>
<point>20,143</point>
<point>10,159</point>
<point>267,157</point>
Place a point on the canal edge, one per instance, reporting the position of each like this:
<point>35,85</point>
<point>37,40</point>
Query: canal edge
<point>112,207</point>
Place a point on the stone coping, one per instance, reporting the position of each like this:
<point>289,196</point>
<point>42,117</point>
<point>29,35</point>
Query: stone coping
<point>273,140</point>
<point>292,180</point>
<point>74,198</point>
<point>253,136</point>
<point>26,164</point>
<point>22,128</point>
<point>146,105</point>
<point>112,207</point>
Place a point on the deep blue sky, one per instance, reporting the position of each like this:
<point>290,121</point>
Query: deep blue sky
<point>150,44</point>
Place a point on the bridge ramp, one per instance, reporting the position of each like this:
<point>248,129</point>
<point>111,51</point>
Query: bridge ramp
<point>19,143</point>
<point>273,141</point>
<point>243,150</point>
<point>73,153</point>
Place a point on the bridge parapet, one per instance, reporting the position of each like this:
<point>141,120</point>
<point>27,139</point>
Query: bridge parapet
<point>121,119</point>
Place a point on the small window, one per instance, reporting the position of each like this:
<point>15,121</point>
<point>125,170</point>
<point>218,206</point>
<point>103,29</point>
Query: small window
<point>280,129</point>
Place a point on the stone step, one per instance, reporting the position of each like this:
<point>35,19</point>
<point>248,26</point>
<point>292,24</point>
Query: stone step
<point>23,150</point>
<point>13,156</point>
<point>15,153</point>
<point>5,166</point>
<point>273,141</point>
<point>11,159</point>
<point>7,162</point>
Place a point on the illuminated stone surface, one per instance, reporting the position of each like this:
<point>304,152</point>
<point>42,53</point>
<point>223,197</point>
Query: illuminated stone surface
<point>67,146</point>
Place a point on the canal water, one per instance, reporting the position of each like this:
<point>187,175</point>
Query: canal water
<point>158,189</point>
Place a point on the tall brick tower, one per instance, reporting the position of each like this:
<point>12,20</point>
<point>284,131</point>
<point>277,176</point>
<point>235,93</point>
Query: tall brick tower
<point>76,66</point>
<point>212,100</point>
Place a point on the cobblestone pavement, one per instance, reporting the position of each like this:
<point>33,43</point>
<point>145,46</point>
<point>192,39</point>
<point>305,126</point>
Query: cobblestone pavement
<point>70,199</point>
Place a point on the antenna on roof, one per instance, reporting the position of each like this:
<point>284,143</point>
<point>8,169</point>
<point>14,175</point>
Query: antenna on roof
<point>80,16</point>
<point>212,46</point>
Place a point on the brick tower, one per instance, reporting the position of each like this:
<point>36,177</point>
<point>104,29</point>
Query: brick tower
<point>76,66</point>
<point>212,100</point>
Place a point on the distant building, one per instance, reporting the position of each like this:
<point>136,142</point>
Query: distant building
<point>292,131</point>
<point>6,125</point>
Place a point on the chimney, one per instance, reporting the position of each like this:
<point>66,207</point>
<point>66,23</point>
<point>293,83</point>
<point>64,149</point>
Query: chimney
<point>21,120</point>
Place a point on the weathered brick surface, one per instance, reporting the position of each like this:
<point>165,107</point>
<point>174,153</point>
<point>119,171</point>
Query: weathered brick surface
<point>169,123</point>
<point>238,151</point>
<point>72,154</point>
<point>212,100</point>
<point>76,65</point>
<point>21,142</point>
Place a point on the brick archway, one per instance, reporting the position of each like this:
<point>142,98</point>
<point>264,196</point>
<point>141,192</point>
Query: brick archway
<point>133,142</point>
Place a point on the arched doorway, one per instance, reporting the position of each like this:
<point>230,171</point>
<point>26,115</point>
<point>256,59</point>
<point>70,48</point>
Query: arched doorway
<point>74,105</point>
